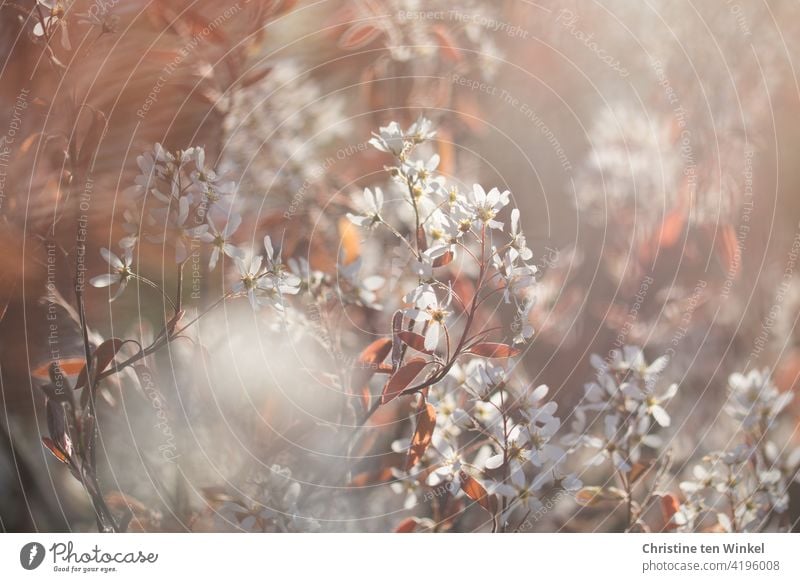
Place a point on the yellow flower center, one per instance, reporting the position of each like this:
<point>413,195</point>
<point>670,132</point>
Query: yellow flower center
<point>486,214</point>
<point>438,315</point>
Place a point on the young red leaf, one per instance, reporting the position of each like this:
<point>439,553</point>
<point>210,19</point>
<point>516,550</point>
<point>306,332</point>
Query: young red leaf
<point>443,260</point>
<point>401,379</point>
<point>423,434</point>
<point>54,448</point>
<point>494,350</point>
<point>422,239</point>
<point>414,340</point>
<point>102,357</point>
<point>477,492</point>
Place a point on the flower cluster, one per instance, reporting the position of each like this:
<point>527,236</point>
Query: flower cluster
<point>266,504</point>
<point>490,438</point>
<point>477,434</point>
<point>745,488</point>
<point>446,222</point>
<point>181,203</point>
<point>625,401</point>
<point>282,148</point>
<point>624,393</point>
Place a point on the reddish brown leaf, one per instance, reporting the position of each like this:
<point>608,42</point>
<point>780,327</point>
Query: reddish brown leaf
<point>445,259</point>
<point>381,475</point>
<point>401,379</point>
<point>669,507</point>
<point>375,352</point>
<point>365,397</point>
<point>408,525</point>
<point>29,141</point>
<point>359,36</point>
<point>671,228</point>
<point>422,240</point>
<point>494,350</point>
<point>369,364</point>
<point>350,242</point>
<point>414,340</point>
<point>54,448</point>
<point>102,357</point>
<point>464,288</point>
<point>423,434</point>
<point>477,492</point>
<point>68,367</point>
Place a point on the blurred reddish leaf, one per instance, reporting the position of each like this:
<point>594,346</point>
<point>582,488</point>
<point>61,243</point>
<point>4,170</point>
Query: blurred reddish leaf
<point>408,525</point>
<point>358,36</point>
<point>447,153</point>
<point>350,241</point>
<point>68,366</point>
<point>382,475</point>
<point>669,507</point>
<point>375,352</point>
<point>493,350</point>
<point>369,363</point>
<point>423,434</point>
<point>448,47</point>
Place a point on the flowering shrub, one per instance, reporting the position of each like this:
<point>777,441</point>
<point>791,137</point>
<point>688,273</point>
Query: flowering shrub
<point>312,308</point>
<point>478,431</point>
